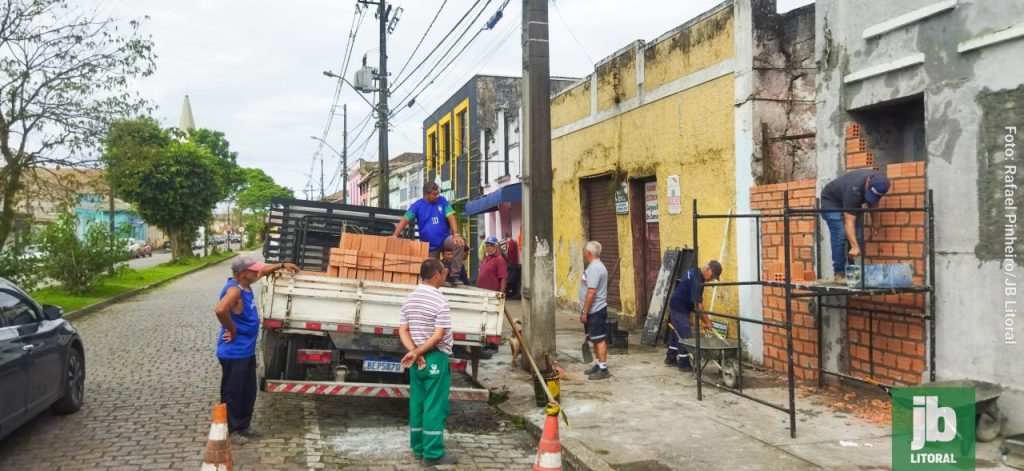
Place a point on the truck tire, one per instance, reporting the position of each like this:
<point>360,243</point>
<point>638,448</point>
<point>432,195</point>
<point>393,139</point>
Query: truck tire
<point>274,351</point>
<point>293,371</point>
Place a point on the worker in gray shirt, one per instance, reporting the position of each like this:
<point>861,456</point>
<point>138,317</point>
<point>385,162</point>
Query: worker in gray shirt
<point>594,304</point>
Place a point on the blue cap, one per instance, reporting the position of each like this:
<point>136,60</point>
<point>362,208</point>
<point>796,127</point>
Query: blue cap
<point>877,188</point>
<point>491,240</point>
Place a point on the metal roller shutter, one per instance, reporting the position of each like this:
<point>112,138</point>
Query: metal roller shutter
<point>602,227</point>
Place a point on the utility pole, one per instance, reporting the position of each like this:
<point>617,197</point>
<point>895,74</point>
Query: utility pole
<point>383,192</point>
<point>321,178</point>
<point>344,154</point>
<point>538,262</point>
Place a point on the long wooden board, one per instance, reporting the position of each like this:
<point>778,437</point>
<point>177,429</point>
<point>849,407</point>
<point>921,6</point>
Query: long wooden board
<point>662,291</point>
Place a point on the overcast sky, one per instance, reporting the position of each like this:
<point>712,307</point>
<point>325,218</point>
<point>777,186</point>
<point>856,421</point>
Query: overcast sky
<point>253,69</point>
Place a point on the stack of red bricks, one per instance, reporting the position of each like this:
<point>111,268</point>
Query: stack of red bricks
<point>857,155</point>
<point>768,200</point>
<point>899,341</point>
<point>377,258</point>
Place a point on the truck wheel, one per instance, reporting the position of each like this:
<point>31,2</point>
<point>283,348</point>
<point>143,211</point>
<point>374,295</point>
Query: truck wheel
<point>293,371</point>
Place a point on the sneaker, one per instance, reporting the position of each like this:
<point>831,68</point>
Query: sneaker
<point>601,373</point>
<point>839,279</point>
<point>457,283</point>
<point>591,370</point>
<point>686,368</point>
<point>238,440</point>
<point>447,459</point>
<point>670,362</point>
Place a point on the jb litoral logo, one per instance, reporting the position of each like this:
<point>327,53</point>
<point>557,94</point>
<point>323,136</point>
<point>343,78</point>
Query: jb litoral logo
<point>933,429</point>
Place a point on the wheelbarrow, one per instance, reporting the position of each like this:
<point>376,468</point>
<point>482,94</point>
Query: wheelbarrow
<point>988,419</point>
<point>723,353</point>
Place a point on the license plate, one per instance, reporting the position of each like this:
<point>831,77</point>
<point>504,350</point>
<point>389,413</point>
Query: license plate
<point>383,366</point>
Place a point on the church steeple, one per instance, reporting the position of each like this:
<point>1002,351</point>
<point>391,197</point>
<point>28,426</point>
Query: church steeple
<point>187,123</point>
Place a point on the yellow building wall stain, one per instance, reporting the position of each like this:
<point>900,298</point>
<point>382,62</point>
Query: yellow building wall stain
<point>689,134</point>
<point>621,69</point>
<point>706,43</point>
<point>572,105</point>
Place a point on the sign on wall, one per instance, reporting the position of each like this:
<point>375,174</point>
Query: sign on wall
<point>675,205</point>
<point>651,201</point>
<point>621,200</point>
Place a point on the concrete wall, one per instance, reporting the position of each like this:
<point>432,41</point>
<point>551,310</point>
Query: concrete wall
<point>968,98</point>
<point>774,127</point>
<point>651,110</point>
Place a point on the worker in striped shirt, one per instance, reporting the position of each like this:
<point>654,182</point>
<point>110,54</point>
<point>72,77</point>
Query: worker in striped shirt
<point>426,332</point>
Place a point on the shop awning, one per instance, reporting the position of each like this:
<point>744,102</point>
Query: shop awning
<point>507,194</point>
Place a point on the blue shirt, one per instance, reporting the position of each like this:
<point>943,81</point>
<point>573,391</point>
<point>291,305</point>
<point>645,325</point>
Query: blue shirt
<point>247,327</point>
<point>432,220</point>
<point>684,298</point>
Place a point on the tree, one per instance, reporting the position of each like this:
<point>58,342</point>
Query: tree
<point>258,189</point>
<point>174,184</point>
<point>229,175</point>
<point>64,74</point>
<point>78,263</point>
<point>254,197</point>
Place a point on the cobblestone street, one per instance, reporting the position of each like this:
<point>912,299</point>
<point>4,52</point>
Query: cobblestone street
<point>152,378</point>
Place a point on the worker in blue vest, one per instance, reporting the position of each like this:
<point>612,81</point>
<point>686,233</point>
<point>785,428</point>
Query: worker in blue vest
<point>688,296</point>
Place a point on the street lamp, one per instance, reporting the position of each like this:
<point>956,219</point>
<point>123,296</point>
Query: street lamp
<point>344,168</point>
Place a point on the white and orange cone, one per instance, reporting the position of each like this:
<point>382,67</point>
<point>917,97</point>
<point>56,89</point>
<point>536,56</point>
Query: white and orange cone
<point>218,446</point>
<point>549,451</point>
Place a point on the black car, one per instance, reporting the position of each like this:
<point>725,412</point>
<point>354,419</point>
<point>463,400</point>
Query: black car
<point>42,360</point>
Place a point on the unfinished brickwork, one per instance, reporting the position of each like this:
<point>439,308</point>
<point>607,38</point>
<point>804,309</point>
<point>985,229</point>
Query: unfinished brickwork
<point>899,341</point>
<point>768,199</point>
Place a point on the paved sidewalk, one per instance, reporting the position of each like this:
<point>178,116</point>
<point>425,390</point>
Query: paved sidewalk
<point>647,417</point>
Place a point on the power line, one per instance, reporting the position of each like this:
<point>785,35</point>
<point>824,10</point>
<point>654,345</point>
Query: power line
<point>420,43</point>
<point>399,81</point>
<point>571,33</point>
<point>357,21</point>
<point>443,56</point>
<point>478,62</point>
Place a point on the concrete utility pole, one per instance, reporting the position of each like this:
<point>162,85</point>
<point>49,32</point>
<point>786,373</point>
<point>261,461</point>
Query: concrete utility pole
<point>538,260</point>
<point>383,192</point>
<point>344,154</point>
<point>321,178</point>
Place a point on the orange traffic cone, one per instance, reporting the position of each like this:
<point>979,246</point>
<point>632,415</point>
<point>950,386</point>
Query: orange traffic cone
<point>549,452</point>
<point>218,447</point>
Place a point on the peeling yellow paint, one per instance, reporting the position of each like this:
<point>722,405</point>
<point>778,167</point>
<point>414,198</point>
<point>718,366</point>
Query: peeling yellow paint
<point>701,45</point>
<point>689,133</point>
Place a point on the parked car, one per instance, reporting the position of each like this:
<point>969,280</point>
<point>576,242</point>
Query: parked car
<point>219,239</point>
<point>145,250</point>
<point>32,252</point>
<point>235,239</point>
<point>42,360</point>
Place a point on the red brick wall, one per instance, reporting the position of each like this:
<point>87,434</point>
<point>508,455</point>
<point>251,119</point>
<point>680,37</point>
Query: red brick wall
<point>899,342</point>
<point>767,199</point>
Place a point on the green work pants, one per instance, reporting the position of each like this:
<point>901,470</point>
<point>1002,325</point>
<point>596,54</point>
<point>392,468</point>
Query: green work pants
<point>428,405</point>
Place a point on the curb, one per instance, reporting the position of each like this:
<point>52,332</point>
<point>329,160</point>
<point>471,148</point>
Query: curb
<point>128,294</point>
<point>574,453</point>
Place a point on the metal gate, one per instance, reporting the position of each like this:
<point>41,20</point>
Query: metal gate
<point>599,199</point>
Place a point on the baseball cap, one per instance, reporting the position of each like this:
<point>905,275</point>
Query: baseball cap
<point>716,269</point>
<point>245,262</point>
<point>879,187</point>
<point>491,240</point>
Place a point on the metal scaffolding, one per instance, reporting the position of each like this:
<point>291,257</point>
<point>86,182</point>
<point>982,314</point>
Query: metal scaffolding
<point>810,289</point>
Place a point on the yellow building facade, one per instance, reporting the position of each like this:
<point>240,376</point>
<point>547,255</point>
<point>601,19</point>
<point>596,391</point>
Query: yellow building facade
<point>633,144</point>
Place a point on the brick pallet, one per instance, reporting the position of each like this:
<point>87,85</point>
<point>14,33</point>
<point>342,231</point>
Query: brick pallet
<point>378,258</point>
